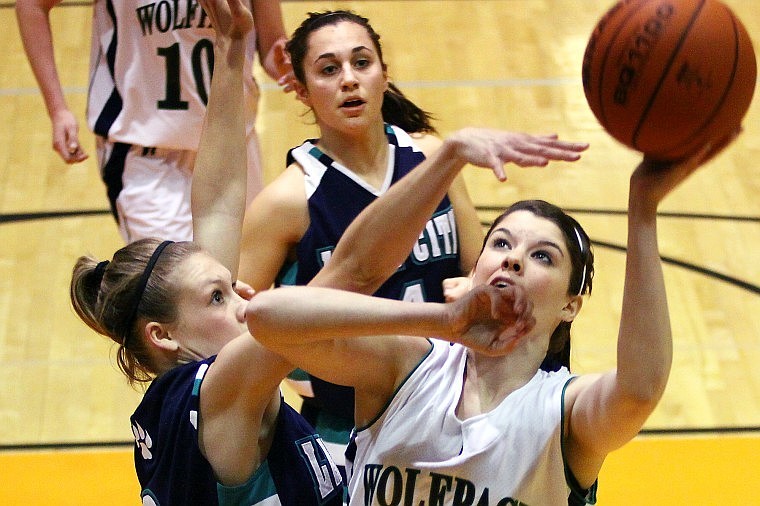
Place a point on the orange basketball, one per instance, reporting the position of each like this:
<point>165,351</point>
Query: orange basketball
<point>666,76</point>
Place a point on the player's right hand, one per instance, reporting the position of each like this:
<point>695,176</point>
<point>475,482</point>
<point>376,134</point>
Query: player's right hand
<point>66,137</point>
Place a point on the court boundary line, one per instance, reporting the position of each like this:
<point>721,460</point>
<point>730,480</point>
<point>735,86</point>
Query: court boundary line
<point>95,445</point>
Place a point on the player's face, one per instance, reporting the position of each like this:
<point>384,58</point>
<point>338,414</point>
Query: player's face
<point>210,312</point>
<point>530,252</point>
<point>345,79</point>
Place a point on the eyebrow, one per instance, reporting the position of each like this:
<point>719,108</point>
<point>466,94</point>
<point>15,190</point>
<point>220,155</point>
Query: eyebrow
<point>213,281</point>
<point>550,244</point>
<point>355,50</point>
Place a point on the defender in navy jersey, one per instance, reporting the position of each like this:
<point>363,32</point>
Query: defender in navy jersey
<point>171,467</point>
<point>434,258</point>
<point>370,137</point>
<point>212,427</point>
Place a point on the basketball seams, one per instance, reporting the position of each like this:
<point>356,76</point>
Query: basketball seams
<point>605,59</point>
<point>669,76</point>
<point>729,85</point>
<point>664,73</point>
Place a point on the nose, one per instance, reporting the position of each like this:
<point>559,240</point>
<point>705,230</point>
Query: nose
<point>349,81</point>
<point>510,262</point>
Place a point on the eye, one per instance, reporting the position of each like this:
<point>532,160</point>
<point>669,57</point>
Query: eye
<point>217,297</point>
<point>500,242</point>
<point>543,256</point>
<point>362,63</point>
<point>329,69</point>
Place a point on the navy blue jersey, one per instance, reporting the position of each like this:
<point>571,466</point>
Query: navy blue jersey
<point>172,471</point>
<point>336,196</point>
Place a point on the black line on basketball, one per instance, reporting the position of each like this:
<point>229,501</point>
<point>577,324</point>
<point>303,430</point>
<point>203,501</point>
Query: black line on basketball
<point>605,59</point>
<point>664,74</point>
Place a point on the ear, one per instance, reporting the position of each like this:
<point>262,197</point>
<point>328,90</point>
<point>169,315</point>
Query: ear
<point>302,94</point>
<point>572,308</point>
<point>158,336</point>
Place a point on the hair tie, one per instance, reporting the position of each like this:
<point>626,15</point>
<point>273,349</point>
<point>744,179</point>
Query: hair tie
<point>98,273</point>
<point>583,259</point>
<point>141,287</point>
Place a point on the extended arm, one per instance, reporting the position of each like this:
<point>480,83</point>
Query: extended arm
<point>385,231</point>
<point>315,328</point>
<point>608,410</point>
<point>34,25</point>
<point>239,398</point>
<point>219,177</point>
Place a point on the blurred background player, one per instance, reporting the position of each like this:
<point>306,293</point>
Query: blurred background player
<point>150,71</point>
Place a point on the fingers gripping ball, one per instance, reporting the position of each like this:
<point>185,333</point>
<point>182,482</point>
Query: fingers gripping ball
<point>664,77</point>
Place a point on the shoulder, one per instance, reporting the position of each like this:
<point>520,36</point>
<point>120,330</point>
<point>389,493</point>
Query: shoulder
<point>428,143</point>
<point>284,197</point>
<point>171,394</point>
<point>288,186</point>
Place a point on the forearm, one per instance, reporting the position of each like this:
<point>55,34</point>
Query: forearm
<point>36,35</point>
<point>295,316</point>
<point>270,31</point>
<point>219,177</point>
<point>645,341</point>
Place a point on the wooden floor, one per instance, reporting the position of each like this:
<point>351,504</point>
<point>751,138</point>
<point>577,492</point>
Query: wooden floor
<point>512,64</point>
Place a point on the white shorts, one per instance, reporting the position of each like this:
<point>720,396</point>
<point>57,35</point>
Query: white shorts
<point>149,188</point>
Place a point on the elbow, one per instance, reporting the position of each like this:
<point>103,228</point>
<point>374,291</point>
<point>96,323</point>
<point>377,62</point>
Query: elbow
<point>256,316</point>
<point>351,275</point>
<point>645,395</point>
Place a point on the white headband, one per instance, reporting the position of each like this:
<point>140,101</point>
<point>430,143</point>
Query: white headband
<point>583,276</point>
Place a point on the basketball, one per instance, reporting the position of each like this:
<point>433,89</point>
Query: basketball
<point>664,77</point>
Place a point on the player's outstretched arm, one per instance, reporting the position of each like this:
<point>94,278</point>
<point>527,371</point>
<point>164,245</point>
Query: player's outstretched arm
<point>388,228</point>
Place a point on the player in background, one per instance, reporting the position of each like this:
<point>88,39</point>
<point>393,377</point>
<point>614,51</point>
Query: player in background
<point>149,78</point>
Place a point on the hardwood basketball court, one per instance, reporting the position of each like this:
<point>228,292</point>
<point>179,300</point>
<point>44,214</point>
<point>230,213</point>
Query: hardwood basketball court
<point>512,64</point>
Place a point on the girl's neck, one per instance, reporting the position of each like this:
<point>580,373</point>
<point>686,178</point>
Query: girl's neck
<point>489,380</point>
<point>365,153</point>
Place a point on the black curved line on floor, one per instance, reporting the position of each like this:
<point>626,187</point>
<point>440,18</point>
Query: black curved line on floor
<point>745,285</point>
<point>663,214</point>
<point>45,215</point>
<point>16,217</point>
<point>42,215</point>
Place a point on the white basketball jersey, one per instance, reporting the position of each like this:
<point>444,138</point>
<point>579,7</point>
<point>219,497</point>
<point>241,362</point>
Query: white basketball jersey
<point>150,70</point>
<point>419,452</point>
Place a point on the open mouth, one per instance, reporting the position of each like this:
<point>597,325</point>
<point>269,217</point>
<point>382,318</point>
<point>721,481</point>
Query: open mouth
<point>501,283</point>
<point>353,103</point>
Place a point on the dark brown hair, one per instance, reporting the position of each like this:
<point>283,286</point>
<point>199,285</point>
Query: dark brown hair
<point>397,108</point>
<point>582,260</point>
